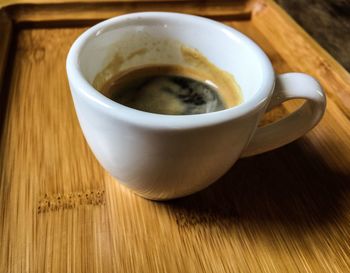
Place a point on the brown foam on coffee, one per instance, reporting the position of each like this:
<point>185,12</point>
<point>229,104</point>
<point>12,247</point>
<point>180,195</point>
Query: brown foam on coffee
<point>190,63</point>
<point>224,81</point>
<point>110,71</point>
<point>165,89</point>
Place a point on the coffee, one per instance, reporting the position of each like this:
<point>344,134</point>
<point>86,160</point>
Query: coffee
<point>171,90</point>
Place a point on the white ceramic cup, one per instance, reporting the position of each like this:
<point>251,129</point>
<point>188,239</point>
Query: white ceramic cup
<point>165,156</point>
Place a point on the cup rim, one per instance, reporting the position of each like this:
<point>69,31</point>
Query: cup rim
<point>153,120</point>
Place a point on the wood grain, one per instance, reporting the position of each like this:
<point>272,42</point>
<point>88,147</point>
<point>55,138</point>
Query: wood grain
<point>283,211</point>
<point>15,2</point>
<point>73,13</point>
<point>6,35</point>
<point>332,27</point>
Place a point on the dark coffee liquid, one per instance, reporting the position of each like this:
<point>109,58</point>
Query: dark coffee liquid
<point>170,90</point>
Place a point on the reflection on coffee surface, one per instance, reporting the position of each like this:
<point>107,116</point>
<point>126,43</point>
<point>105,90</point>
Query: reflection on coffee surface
<point>194,86</point>
<point>164,90</point>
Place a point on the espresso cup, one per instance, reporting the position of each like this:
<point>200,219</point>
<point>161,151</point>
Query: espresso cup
<point>166,156</point>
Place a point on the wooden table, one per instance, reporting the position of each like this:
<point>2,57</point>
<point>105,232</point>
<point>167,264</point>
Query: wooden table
<point>283,211</point>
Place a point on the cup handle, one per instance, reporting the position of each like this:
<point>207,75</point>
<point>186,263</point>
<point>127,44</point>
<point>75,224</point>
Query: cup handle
<point>290,86</point>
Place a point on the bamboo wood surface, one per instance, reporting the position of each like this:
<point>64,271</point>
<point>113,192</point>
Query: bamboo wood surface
<point>284,211</point>
<point>66,13</point>
<point>6,33</point>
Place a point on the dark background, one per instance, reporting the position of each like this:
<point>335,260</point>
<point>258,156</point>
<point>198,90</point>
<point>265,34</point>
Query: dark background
<point>327,21</point>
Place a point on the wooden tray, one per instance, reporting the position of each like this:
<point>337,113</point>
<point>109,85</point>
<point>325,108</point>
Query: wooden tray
<point>283,211</point>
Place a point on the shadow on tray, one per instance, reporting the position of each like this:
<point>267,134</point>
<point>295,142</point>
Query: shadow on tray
<point>290,186</point>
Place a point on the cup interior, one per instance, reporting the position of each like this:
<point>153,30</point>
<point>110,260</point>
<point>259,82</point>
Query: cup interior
<point>160,35</point>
